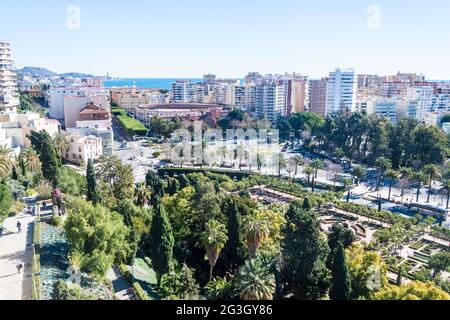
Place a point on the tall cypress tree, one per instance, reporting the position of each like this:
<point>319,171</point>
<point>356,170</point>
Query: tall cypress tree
<point>174,186</point>
<point>151,178</point>
<point>43,143</point>
<point>231,251</point>
<point>14,175</point>
<point>307,204</point>
<point>93,194</point>
<point>161,242</point>
<point>305,251</point>
<point>341,288</point>
<point>184,181</point>
<point>23,167</point>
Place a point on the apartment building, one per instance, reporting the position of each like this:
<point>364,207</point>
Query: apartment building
<point>83,148</point>
<point>317,96</point>
<point>15,128</point>
<point>271,100</point>
<point>341,91</point>
<point>9,94</point>
<point>184,111</point>
<point>68,101</point>
<point>183,91</point>
<point>299,95</point>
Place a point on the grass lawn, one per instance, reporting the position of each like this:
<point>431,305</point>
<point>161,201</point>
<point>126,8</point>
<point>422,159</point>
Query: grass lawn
<point>146,278</point>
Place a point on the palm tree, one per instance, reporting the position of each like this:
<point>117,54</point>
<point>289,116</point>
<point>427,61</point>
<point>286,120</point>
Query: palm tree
<point>446,190</point>
<point>219,289</point>
<point>76,261</point>
<point>61,145</point>
<point>420,178</point>
<point>142,194</point>
<point>214,239</point>
<point>222,151</point>
<point>279,162</point>
<point>255,229</point>
<point>433,172</point>
<point>393,176</point>
<point>347,184</point>
<point>239,153</point>
<point>7,161</point>
<point>359,172</point>
<point>255,281</point>
<point>339,153</point>
<point>317,164</point>
<point>298,161</point>
<point>309,171</point>
<point>32,161</point>
<point>405,173</point>
<point>260,161</point>
<point>383,164</point>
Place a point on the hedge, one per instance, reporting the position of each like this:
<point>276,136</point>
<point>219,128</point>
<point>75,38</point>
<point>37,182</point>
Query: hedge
<point>132,126</point>
<point>140,293</point>
<point>36,277</point>
<point>118,112</point>
<point>179,171</point>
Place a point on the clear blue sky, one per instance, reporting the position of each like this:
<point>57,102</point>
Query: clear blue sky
<point>180,38</point>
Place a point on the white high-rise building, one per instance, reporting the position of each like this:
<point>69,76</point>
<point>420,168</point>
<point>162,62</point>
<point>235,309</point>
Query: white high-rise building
<point>341,91</point>
<point>9,94</point>
<point>183,91</point>
<point>271,100</point>
<point>419,102</point>
<point>237,95</point>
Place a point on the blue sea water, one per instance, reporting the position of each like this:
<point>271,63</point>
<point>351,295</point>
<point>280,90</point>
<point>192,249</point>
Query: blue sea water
<point>147,83</point>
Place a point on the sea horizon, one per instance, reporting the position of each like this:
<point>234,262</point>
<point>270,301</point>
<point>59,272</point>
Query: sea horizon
<point>146,83</point>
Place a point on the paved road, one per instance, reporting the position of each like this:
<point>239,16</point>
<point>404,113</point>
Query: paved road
<point>15,247</point>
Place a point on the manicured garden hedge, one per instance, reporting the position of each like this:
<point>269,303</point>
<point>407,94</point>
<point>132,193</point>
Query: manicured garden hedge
<point>140,293</point>
<point>118,112</point>
<point>171,172</point>
<point>36,290</point>
<point>137,288</point>
<point>132,126</point>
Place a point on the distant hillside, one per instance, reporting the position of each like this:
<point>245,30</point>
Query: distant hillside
<point>42,72</point>
<point>76,75</point>
<point>37,72</point>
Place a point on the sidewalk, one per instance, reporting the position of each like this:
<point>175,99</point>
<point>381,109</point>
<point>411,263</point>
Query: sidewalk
<point>16,247</point>
<point>121,285</point>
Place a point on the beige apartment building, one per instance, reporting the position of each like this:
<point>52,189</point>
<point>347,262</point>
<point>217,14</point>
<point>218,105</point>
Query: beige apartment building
<point>130,98</point>
<point>82,148</point>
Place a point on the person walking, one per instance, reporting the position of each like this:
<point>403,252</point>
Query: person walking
<point>19,266</point>
<point>19,226</point>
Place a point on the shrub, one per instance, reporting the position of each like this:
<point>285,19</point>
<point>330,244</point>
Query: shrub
<point>140,293</point>
<point>56,222</point>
